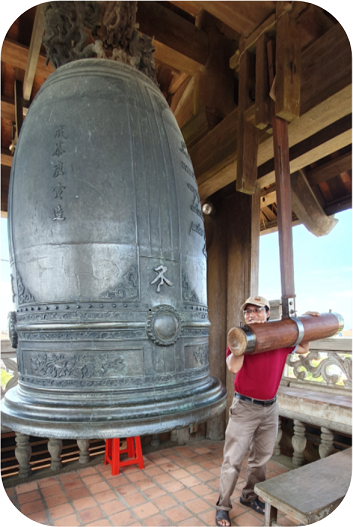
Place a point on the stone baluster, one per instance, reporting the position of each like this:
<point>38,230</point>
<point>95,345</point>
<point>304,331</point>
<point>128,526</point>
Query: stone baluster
<point>326,446</point>
<point>299,443</point>
<point>55,447</point>
<point>23,452</point>
<point>277,448</point>
<point>83,445</point>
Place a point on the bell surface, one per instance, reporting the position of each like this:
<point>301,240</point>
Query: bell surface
<point>108,260</point>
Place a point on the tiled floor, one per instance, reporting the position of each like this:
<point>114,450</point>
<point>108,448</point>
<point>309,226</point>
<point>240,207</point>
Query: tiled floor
<point>179,486</point>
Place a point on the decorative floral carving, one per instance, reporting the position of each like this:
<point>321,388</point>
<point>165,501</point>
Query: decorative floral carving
<point>58,365</point>
<point>24,296</point>
<point>322,369</point>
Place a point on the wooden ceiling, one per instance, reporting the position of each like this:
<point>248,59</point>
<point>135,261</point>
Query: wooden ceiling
<point>200,51</point>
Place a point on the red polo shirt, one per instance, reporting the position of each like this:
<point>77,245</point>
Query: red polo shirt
<point>260,375</point>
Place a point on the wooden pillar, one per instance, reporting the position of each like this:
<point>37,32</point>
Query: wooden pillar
<point>216,245</point>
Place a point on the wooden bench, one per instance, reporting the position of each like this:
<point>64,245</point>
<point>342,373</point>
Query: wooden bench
<point>308,493</point>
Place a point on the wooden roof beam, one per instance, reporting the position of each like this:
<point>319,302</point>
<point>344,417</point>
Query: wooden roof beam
<point>33,52</point>
<point>17,54</point>
<point>178,43</point>
<point>322,103</point>
<point>331,168</point>
<point>307,208</point>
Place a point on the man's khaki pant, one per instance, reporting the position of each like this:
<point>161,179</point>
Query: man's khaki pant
<point>249,425</point>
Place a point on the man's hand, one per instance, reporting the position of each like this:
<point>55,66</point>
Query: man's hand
<point>312,313</point>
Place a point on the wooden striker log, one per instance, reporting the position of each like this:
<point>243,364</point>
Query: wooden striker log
<point>258,338</point>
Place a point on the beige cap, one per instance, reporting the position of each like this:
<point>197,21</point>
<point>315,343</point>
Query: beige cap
<point>256,301</point>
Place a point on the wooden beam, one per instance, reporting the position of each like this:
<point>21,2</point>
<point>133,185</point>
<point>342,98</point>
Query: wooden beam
<point>307,208</point>
<point>33,52</point>
<point>215,157</point>
<point>17,55</point>
<point>288,67</point>
<point>319,145</point>
<point>331,168</point>
<point>18,97</point>
<point>262,101</point>
<point>7,108</point>
<point>338,205</point>
<point>173,32</point>
<point>248,135</point>
<point>6,158</point>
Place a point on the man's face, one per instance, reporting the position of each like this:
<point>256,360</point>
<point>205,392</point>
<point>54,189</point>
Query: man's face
<point>255,314</point>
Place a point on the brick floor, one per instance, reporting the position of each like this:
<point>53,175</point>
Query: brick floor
<point>179,486</point>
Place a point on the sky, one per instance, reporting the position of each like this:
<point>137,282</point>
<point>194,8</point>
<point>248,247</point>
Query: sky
<point>322,268</point>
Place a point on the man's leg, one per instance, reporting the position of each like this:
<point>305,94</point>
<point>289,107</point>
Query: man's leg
<point>261,449</point>
<point>239,432</point>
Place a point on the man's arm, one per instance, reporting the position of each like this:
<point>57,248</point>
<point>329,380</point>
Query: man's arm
<point>235,363</point>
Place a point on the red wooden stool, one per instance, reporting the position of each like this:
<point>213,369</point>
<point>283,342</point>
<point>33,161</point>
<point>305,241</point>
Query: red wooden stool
<point>113,451</point>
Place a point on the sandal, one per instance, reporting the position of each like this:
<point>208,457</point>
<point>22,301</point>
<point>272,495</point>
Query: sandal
<point>222,515</point>
<point>255,504</point>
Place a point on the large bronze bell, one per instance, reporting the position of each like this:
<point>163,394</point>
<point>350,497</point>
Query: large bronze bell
<point>108,258</point>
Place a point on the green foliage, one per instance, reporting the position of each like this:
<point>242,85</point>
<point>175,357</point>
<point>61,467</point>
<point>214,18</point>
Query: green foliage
<point>5,377</point>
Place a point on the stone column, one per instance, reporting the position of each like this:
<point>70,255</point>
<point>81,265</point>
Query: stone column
<point>326,447</point>
<point>299,443</point>
<point>23,452</point>
<point>83,445</point>
<point>155,440</point>
<point>277,448</point>
<point>55,447</point>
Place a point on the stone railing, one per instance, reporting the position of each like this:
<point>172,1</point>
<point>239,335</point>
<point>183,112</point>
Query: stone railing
<point>316,390</point>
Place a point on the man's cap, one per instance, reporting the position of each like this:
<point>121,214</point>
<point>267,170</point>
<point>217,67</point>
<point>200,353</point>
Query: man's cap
<point>256,301</point>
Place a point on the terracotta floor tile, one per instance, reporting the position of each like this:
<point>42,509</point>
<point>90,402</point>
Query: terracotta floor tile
<point>84,503</point>
<point>90,480</point>
<point>184,462</point>
<point>202,490</point>
<point>123,518</point>
<point>184,495</point>
<point>202,450</point>
<point>178,514</point>
<point>10,492</point>
<point>60,511</point>
<point>214,483</point>
<point>112,507</point>
<point>207,464</point>
<point>173,486</point>
<point>249,520</point>
<point>69,521</point>
<point>165,502</point>
<point>68,477</point>
<point>145,510</point>
<point>205,476</point>
<point>153,471</point>
<point>157,521</point>
<point>211,498</point>
<point>46,482</point>
<point>192,522</point>
<point>136,476</point>
<point>169,467</point>
<point>125,490</point>
<point>194,469</point>
<point>76,494</point>
<point>179,473</point>
<point>118,481</point>
<point>51,491</point>
<point>26,487</point>
<point>145,484</point>
<point>28,496</point>
<point>154,492</point>
<point>135,499</point>
<point>39,517</point>
<point>209,517</point>
<point>90,515</point>
<point>161,460</point>
<point>100,523</point>
<point>33,506</point>
<point>163,478</point>
<point>89,471</point>
<point>197,505</point>
<point>190,481</point>
<point>189,453</point>
<point>98,487</point>
<point>105,496</point>
<point>75,484</point>
<point>216,471</point>
<point>237,510</point>
<point>58,499</point>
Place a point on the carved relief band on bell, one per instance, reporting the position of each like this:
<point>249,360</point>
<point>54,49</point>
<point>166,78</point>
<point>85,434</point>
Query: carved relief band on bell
<point>80,335</point>
<point>127,289</point>
<point>24,296</point>
<point>196,205</point>
<point>196,356</point>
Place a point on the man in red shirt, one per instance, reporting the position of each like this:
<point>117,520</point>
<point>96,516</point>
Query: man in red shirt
<point>253,416</point>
